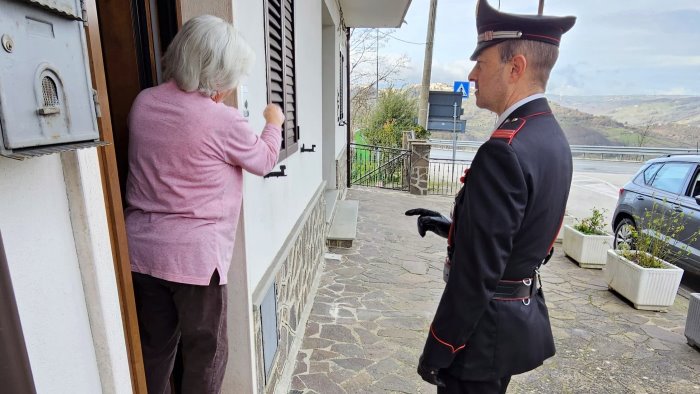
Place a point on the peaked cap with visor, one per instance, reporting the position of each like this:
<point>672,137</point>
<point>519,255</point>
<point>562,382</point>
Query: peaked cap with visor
<point>495,27</point>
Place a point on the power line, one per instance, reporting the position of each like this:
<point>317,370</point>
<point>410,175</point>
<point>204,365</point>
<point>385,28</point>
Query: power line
<point>407,42</point>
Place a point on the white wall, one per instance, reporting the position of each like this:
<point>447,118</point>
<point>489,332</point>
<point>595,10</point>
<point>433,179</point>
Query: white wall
<point>340,136</point>
<point>41,252</point>
<point>329,107</point>
<point>272,206</point>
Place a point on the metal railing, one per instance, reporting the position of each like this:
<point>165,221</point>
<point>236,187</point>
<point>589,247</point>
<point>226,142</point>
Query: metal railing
<point>379,166</point>
<point>444,175</point>
<point>635,153</point>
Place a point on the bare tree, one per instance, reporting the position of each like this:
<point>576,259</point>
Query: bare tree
<point>644,134</point>
<point>368,68</point>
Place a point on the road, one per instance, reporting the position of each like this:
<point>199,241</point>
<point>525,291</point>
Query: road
<point>596,184</point>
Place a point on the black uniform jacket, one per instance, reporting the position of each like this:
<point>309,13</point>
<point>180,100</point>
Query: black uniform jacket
<point>506,218</point>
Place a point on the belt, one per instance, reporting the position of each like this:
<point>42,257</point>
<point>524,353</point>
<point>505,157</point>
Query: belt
<point>517,290</point>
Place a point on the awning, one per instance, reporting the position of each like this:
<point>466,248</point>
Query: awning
<point>374,13</point>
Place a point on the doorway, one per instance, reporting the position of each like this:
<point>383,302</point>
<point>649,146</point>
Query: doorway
<point>134,40</point>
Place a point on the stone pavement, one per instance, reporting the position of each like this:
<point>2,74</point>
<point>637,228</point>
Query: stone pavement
<point>374,305</point>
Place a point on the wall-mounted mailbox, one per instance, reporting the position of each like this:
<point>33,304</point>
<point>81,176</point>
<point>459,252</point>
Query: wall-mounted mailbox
<point>47,103</point>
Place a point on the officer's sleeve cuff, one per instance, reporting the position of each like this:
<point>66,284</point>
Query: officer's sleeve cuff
<point>438,352</point>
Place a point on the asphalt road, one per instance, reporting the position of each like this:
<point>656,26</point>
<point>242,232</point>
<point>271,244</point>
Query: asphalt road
<point>596,184</point>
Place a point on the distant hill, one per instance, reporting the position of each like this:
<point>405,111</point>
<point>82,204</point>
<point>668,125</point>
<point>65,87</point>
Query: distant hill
<point>639,110</point>
<point>665,121</point>
<point>671,120</point>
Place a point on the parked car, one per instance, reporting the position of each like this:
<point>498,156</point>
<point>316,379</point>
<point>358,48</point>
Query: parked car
<point>668,184</point>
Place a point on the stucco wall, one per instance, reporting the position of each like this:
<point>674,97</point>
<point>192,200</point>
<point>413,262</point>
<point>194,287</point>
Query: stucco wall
<point>272,206</point>
<point>44,265</point>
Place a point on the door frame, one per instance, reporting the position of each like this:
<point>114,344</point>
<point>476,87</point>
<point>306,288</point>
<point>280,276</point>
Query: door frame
<point>113,204</point>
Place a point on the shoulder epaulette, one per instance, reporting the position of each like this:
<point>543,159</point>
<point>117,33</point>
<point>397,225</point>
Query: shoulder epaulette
<point>509,129</point>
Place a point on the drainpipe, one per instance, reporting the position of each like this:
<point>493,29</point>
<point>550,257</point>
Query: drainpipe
<point>347,101</point>
<point>15,372</point>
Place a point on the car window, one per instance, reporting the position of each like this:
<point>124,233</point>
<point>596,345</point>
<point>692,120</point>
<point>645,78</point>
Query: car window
<point>694,189</point>
<point>671,177</point>
<point>648,174</point>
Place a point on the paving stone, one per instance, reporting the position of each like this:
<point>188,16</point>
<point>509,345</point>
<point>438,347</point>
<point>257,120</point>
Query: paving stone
<point>311,329</point>
<point>353,363</point>
<point>320,355</point>
<point>383,367</point>
<point>662,334</point>
<point>368,315</point>
<point>367,337</point>
<point>301,367</point>
<point>341,375</point>
<point>321,383</point>
<point>297,385</point>
<point>318,367</point>
<point>416,267</point>
<point>372,312</point>
<point>316,343</point>
<point>336,332</point>
<point>321,309</point>
<point>396,333</point>
<point>395,383</point>
<point>348,350</point>
<point>359,383</point>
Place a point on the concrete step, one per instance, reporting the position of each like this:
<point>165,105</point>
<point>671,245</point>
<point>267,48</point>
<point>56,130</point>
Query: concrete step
<point>344,226</point>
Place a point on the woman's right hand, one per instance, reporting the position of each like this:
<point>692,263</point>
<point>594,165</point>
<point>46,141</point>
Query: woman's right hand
<point>273,114</point>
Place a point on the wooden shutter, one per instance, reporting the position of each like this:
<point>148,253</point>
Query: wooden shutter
<point>281,70</point>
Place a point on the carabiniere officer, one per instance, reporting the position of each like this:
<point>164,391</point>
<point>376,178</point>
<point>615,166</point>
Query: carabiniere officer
<point>492,321</point>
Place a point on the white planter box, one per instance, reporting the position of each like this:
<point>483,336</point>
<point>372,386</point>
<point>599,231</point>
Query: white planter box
<point>692,323</point>
<point>568,221</point>
<point>651,289</point>
<point>589,251</point>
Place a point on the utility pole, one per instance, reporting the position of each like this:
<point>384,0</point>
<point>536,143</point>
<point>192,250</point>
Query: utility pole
<point>427,67</point>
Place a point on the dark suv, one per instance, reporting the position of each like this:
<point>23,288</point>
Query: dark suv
<point>670,184</point>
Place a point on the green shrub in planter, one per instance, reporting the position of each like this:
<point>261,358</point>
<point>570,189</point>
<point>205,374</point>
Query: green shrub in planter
<point>594,224</point>
<point>657,236</point>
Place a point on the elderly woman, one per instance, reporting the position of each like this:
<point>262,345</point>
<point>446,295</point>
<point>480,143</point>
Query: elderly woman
<point>187,153</point>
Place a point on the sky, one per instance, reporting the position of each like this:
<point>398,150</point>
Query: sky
<point>617,47</point>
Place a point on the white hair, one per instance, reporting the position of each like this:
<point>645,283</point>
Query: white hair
<point>207,55</point>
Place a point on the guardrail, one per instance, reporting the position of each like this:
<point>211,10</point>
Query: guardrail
<point>635,153</point>
<point>444,175</point>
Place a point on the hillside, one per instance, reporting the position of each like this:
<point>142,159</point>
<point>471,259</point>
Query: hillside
<point>639,110</point>
<point>670,120</point>
<point>605,121</point>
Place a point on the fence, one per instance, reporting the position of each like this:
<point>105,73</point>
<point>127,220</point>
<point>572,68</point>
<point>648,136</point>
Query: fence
<point>444,175</point>
<point>635,153</point>
<point>379,166</point>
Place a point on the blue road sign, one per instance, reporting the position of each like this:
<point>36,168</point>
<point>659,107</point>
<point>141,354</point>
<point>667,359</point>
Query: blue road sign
<point>462,87</point>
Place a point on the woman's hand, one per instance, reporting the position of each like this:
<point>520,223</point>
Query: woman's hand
<point>273,114</point>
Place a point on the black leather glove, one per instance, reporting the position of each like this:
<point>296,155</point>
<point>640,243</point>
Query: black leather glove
<point>431,221</point>
<point>429,374</point>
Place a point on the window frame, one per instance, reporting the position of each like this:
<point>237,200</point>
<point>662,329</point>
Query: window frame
<point>684,180</point>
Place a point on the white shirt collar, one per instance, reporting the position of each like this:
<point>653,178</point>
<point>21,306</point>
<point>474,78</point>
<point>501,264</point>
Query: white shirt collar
<point>515,106</point>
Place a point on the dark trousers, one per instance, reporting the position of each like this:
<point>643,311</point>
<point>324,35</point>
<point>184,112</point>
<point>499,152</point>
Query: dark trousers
<point>456,386</point>
<point>170,313</point>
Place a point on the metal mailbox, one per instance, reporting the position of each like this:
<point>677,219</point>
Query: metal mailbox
<point>47,103</point>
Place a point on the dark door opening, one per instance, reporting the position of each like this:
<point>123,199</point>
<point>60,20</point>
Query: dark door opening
<point>134,40</point>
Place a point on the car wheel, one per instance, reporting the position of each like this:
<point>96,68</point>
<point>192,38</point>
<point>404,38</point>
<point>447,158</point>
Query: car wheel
<point>624,234</point>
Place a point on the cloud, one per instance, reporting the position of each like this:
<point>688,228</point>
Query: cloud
<point>616,47</point>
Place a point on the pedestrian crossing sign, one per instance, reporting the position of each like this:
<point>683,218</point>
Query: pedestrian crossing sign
<point>462,87</point>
